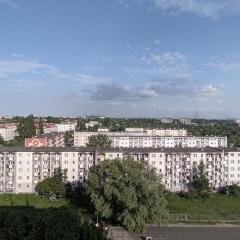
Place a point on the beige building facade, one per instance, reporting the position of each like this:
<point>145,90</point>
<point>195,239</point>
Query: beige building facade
<point>22,168</point>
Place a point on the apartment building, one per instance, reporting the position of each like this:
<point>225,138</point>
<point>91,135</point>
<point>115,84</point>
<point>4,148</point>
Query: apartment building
<point>49,128</point>
<point>64,127</point>
<point>8,131</point>
<point>167,132</point>
<point>92,124</point>
<point>185,121</point>
<point>142,140</point>
<point>22,168</point>
<point>134,129</point>
<point>46,140</point>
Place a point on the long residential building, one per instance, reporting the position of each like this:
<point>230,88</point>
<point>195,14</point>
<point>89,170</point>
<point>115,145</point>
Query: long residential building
<point>46,140</point>
<point>142,140</point>
<point>22,168</point>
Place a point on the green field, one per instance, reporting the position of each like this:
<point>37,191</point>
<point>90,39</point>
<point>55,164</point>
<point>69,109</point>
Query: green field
<point>214,207</point>
<point>30,200</point>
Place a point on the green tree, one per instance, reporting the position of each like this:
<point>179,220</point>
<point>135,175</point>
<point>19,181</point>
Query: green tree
<point>68,138</point>
<point>53,119</point>
<point>41,130</point>
<point>55,185</point>
<point>100,140</point>
<point>199,186</point>
<point>127,192</point>
<point>57,225</point>
<point>26,127</point>
<point>1,140</point>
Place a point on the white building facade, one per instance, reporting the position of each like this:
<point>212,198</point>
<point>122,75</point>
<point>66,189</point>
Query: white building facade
<point>8,131</point>
<point>22,168</point>
<point>64,127</point>
<point>141,140</point>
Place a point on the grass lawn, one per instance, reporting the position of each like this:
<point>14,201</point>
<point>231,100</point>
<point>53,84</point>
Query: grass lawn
<point>31,200</point>
<point>217,205</point>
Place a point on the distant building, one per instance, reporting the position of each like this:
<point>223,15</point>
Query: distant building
<point>8,131</point>
<point>64,127</point>
<point>134,129</point>
<point>46,140</point>
<point>143,140</point>
<point>166,120</point>
<point>92,124</point>
<point>167,132</point>
<point>103,130</point>
<point>50,128</point>
<point>185,121</point>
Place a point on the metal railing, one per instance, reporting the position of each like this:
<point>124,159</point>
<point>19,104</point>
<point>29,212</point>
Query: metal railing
<point>181,218</point>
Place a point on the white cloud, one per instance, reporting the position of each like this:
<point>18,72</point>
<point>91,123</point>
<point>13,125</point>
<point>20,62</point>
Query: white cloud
<point>207,91</point>
<point>158,89</point>
<point>158,64</point>
<point>224,63</point>
<point>202,8</point>
<point>17,66</point>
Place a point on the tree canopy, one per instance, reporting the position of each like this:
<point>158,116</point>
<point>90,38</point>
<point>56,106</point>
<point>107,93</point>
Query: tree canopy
<point>53,186</point>
<point>26,127</point>
<point>127,192</point>
<point>100,140</point>
<point>199,186</point>
<point>54,224</point>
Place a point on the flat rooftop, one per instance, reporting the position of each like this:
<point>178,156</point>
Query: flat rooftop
<point>116,150</point>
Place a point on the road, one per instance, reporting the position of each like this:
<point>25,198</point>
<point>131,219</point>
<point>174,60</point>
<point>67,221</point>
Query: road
<point>195,233</point>
<point>183,233</point>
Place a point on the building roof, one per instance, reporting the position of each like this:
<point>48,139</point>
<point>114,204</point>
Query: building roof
<point>116,150</point>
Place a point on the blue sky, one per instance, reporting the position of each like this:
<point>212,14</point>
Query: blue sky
<point>123,58</point>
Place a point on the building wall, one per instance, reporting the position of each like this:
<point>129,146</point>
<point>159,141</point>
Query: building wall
<point>8,131</point>
<point>21,169</point>
<point>64,127</point>
<point>46,140</point>
<point>138,140</point>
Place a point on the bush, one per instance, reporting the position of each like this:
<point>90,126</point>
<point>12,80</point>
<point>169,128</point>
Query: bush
<point>54,224</point>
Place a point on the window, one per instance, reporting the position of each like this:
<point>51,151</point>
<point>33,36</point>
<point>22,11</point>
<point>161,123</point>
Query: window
<point>66,154</point>
<point>19,185</point>
<point>232,175</point>
<point>20,178</point>
<point>20,169</point>
<point>20,162</point>
<point>232,154</point>
<point>232,168</point>
<point>232,161</point>
<point>27,185</point>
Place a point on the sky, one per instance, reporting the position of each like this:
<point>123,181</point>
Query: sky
<point>120,58</point>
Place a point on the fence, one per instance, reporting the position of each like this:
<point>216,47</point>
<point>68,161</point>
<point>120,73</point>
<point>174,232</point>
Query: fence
<point>181,218</point>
